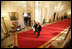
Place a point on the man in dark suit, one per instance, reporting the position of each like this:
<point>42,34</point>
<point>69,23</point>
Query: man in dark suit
<point>35,27</point>
<point>39,28</point>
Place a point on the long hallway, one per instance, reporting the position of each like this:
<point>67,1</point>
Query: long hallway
<point>17,24</point>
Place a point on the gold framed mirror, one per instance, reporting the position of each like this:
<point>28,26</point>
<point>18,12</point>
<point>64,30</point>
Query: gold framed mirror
<point>13,15</point>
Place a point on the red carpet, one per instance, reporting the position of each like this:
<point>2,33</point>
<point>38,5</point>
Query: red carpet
<point>28,40</point>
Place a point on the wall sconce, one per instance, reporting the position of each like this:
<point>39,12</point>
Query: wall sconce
<point>3,15</point>
<point>69,12</point>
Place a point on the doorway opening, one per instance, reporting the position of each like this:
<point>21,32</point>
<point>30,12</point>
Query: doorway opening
<point>27,19</point>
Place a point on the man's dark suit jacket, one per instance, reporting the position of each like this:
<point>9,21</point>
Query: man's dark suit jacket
<point>39,28</point>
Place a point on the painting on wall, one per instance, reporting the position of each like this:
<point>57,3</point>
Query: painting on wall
<point>13,15</point>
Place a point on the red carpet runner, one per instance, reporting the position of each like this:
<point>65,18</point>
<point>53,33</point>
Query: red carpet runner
<point>28,39</point>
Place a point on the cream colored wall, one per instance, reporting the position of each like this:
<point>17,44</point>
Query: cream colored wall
<point>7,6</point>
<point>31,7</point>
<point>50,7</point>
<point>47,11</point>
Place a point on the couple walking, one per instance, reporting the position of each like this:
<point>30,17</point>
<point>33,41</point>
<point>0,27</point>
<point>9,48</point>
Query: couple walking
<point>37,28</point>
